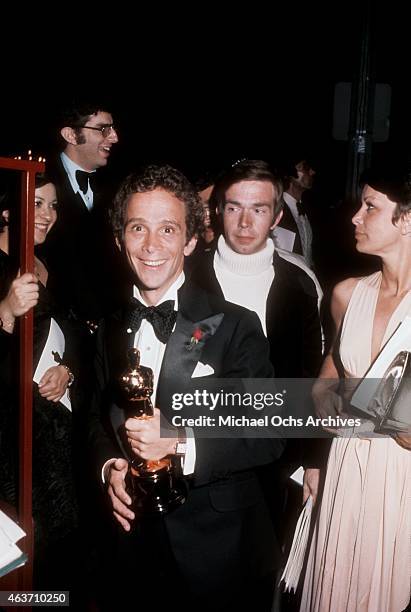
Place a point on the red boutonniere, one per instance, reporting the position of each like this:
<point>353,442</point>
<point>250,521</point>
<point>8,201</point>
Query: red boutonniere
<point>195,338</point>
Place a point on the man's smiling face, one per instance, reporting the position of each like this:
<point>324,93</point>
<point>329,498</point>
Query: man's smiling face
<point>155,241</point>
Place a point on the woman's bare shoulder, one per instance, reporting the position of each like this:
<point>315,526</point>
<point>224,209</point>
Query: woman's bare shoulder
<point>341,296</point>
<point>343,290</point>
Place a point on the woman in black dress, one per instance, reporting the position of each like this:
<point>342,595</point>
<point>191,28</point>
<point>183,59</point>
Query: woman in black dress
<point>55,511</point>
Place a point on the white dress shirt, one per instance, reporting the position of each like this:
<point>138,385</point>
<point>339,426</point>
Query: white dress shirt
<point>151,356</point>
<point>304,228</point>
<point>70,168</point>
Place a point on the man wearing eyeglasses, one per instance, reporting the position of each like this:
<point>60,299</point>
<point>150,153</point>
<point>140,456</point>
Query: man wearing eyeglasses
<point>85,153</point>
<point>82,259</point>
<point>80,251</point>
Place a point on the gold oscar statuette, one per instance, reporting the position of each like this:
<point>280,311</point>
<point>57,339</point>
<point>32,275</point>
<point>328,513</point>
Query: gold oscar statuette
<point>152,485</point>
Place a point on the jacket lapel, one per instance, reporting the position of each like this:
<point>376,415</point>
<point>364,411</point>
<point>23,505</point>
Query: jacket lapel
<point>196,320</point>
<point>183,350</point>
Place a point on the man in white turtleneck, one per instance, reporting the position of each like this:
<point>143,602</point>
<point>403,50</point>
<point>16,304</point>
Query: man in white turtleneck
<point>248,270</point>
<point>246,278</point>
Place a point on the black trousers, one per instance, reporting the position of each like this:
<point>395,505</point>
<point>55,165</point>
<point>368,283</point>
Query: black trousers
<point>143,569</point>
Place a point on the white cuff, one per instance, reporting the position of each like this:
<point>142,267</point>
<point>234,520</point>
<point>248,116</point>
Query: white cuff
<point>103,469</point>
<point>189,460</point>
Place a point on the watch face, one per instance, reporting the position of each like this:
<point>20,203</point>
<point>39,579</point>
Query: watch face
<point>181,448</point>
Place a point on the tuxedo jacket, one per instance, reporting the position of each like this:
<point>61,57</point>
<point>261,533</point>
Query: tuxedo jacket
<point>80,249</point>
<point>223,531</point>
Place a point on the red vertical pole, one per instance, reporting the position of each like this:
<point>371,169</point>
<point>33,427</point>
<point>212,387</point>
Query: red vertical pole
<point>26,379</point>
<point>28,170</point>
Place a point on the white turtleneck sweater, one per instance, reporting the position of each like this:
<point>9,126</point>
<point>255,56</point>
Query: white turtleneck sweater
<point>245,279</point>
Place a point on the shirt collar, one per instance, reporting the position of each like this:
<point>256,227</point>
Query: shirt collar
<point>170,294</point>
<point>70,167</point>
<point>245,265</point>
<point>289,199</point>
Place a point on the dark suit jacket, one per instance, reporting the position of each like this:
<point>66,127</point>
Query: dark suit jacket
<point>294,334</point>
<point>80,249</point>
<point>223,532</point>
<point>292,318</point>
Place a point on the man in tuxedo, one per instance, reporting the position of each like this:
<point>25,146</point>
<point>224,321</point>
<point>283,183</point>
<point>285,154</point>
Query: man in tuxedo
<point>294,232</point>
<point>218,550</point>
<point>80,250</point>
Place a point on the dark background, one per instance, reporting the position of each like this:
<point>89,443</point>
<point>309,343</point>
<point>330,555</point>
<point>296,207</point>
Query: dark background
<point>191,88</point>
<point>204,85</point>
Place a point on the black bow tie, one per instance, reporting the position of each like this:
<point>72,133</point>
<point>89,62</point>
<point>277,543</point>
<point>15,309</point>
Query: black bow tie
<point>161,317</point>
<point>84,178</point>
<point>300,209</point>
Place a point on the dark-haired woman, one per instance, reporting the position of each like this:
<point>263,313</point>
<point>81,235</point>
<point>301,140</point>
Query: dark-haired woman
<point>54,497</point>
<point>360,557</point>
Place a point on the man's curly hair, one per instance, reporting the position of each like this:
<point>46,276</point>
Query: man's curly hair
<point>157,177</point>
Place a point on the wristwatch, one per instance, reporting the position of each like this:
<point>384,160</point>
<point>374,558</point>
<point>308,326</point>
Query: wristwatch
<point>180,448</point>
<point>70,374</point>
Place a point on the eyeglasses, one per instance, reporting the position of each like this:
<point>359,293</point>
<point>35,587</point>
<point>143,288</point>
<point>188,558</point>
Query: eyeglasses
<point>106,129</point>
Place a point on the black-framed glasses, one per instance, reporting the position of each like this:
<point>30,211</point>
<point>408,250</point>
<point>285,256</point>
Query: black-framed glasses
<point>106,129</point>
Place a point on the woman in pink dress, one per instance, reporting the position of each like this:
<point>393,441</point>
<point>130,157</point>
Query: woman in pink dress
<point>360,556</point>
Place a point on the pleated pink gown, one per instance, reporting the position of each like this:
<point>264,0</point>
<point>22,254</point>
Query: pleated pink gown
<point>360,555</point>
